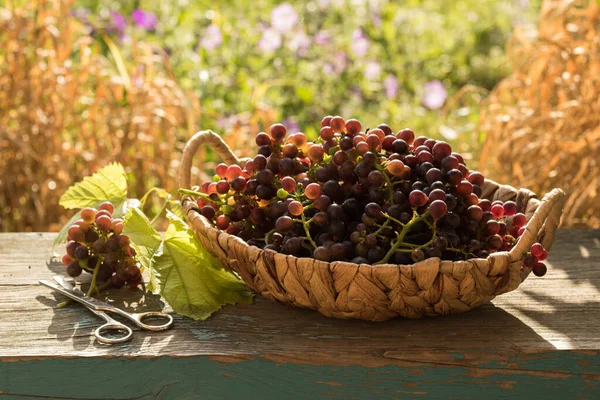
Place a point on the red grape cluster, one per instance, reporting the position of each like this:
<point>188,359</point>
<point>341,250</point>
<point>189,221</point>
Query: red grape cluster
<point>532,260</point>
<point>96,245</point>
<point>367,197</point>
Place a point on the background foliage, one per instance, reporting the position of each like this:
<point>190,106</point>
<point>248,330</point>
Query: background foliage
<point>88,82</point>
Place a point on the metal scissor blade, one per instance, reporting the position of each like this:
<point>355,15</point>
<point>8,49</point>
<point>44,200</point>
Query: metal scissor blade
<point>65,283</point>
<point>80,297</point>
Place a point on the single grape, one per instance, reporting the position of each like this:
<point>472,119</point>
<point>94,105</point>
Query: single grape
<point>492,227</point>
<point>233,171</point>
<point>288,184</point>
<point>417,198</point>
<point>321,218</point>
<point>88,214</point>
<point>476,178</point>
<point>322,202</point>
<point>74,269</point>
<point>474,213</point>
<point>417,255</point>
<point>222,187</point>
<point>312,191</point>
<point>438,209</point>
<point>262,139</point>
<point>519,220</point>
<point>495,242</point>
<point>295,208</point>
<point>441,150</point>
<point>321,253</point>
<point>464,188</point>
<point>407,135</point>
<point>455,177</point>
<point>223,222</point>
<point>510,208</point>
<point>316,152</point>
<point>284,224</point>
<point>395,167</point>
<point>375,178</point>
<point>338,124</point>
<point>353,127</point>
<point>497,210</point>
<point>400,146</point>
<point>540,269</point>
<point>433,175</point>
<point>76,233</point>
<point>292,245</point>
<point>326,121</point>
<point>537,249</point>
<point>265,192</point>
<point>107,206</point>
<point>440,243</point>
<point>327,133</point>
<point>260,162</point>
<point>277,131</point>
<point>82,252</point>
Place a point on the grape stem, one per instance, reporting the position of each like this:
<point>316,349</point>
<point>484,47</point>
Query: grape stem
<point>194,193</point>
<point>405,229</point>
<point>268,236</point>
<point>93,286</point>
<point>388,180</point>
<point>393,219</point>
<point>305,225</point>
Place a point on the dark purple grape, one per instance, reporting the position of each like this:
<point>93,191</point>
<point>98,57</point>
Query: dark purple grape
<point>286,166</point>
<point>360,260</point>
<point>400,146</point>
<point>438,209</point>
<point>90,236</point>
<point>337,228</point>
<point>320,218</point>
<point>321,253</point>
<point>82,253</point>
<point>265,177</point>
<point>284,224</point>
<point>265,151</point>
<point>373,210</point>
<point>265,192</point>
<point>74,269</point>
<point>322,202</point>
<point>292,245</point>
<point>417,255</point>
<point>375,254</point>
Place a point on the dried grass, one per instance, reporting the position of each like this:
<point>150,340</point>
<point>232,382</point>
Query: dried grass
<point>67,110</point>
<point>543,121</point>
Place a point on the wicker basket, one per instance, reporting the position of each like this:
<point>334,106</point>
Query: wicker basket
<point>376,292</point>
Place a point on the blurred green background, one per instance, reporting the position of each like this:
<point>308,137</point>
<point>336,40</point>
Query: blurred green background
<point>87,82</point>
<point>369,59</point>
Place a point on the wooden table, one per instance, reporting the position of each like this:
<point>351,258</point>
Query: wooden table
<point>541,341</point>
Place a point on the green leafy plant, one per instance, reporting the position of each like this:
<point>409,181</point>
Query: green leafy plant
<point>179,269</point>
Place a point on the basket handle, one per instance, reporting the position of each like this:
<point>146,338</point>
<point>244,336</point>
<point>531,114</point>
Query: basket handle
<point>200,138</point>
<point>542,225</point>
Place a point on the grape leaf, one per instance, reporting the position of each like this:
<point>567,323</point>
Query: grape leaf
<point>107,184</point>
<point>191,280</point>
<point>145,240</point>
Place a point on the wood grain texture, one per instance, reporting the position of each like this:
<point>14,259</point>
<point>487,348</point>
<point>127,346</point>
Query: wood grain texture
<point>542,338</point>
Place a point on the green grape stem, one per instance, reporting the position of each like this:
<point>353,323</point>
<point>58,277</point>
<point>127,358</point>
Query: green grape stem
<point>93,286</point>
<point>405,229</point>
<point>305,225</point>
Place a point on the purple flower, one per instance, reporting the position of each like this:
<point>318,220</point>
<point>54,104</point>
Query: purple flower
<point>270,40</point>
<point>284,17</point>
<point>434,95</point>
<point>117,24</point>
<point>291,125</point>
<point>299,43</point>
<point>212,38</point>
<point>360,43</point>
<point>322,37</point>
<point>390,83</point>
<point>144,19</point>
<point>372,70</point>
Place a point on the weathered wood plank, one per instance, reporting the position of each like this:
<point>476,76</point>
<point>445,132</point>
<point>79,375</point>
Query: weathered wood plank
<point>201,377</point>
<point>267,348</point>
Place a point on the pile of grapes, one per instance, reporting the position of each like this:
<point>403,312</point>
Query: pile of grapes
<point>366,197</point>
<point>96,245</point>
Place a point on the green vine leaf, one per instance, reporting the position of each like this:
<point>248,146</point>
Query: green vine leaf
<point>191,280</point>
<point>145,240</point>
<point>107,184</point>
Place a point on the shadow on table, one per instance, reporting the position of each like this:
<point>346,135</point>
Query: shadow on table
<point>74,322</point>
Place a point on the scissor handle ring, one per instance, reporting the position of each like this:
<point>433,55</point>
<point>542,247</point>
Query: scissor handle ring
<point>156,314</point>
<point>113,327</point>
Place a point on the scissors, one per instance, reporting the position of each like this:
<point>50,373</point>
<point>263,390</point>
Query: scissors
<point>112,331</point>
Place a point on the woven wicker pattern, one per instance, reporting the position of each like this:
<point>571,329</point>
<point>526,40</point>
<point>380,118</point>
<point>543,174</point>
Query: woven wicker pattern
<point>380,292</point>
